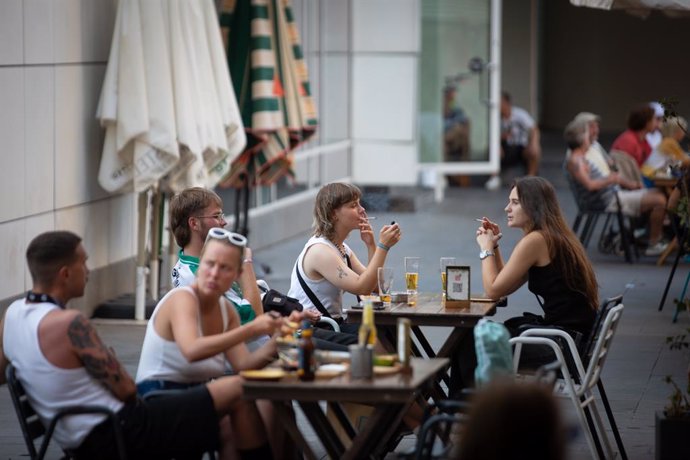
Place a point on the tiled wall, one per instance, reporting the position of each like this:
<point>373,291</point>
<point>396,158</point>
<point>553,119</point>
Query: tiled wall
<point>385,49</point>
<point>53,55</point>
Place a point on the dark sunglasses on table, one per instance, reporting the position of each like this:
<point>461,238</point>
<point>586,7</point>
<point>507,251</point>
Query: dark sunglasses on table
<point>221,234</point>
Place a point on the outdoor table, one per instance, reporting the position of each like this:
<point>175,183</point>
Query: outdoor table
<point>428,311</point>
<point>390,396</point>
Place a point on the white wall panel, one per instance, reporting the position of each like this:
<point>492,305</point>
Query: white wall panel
<point>385,25</point>
<point>121,216</point>
<point>12,255</point>
<point>384,99</point>
<point>78,136</point>
<point>33,226</point>
<point>39,139</point>
<point>336,24</point>
<point>83,30</point>
<point>335,121</point>
<point>90,221</point>
<point>38,31</point>
<point>11,42</point>
<point>385,163</point>
<point>12,137</point>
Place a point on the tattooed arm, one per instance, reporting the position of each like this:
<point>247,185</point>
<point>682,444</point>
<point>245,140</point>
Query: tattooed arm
<point>98,360</point>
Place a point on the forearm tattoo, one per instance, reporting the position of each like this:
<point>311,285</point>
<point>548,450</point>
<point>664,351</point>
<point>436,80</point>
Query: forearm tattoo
<point>341,273</point>
<point>99,361</point>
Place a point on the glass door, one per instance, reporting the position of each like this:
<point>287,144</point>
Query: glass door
<point>459,86</point>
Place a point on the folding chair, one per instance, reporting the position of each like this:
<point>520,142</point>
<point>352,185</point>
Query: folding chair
<point>32,427</point>
<point>578,386</point>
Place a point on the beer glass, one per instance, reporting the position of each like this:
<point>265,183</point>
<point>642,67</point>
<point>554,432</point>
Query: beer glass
<point>385,279</point>
<point>445,262</point>
<point>411,275</point>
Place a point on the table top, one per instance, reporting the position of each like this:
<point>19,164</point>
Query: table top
<point>392,388</point>
<point>429,311</point>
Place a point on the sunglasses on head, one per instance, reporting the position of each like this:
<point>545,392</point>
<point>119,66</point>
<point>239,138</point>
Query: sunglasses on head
<point>220,234</point>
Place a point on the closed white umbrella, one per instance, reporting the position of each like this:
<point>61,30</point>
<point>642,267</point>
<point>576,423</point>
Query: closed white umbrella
<point>640,8</point>
<point>167,105</point>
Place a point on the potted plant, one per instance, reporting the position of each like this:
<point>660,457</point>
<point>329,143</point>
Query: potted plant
<point>673,424</point>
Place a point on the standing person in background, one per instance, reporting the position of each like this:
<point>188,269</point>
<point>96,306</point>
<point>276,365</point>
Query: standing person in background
<point>633,141</point>
<point>520,140</point>
<point>327,266</point>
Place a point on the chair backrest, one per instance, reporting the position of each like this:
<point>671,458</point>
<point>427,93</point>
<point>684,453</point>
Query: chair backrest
<point>586,347</point>
<point>32,427</point>
<point>602,345</point>
<point>627,166</point>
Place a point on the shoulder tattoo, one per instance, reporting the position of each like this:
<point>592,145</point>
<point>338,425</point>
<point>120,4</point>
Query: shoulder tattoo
<point>99,361</point>
<point>341,272</point>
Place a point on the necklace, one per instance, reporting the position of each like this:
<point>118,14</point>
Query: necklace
<point>339,247</point>
<point>36,298</point>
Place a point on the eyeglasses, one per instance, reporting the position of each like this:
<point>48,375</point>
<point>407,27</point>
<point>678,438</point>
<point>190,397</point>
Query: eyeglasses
<point>220,234</point>
<point>217,216</point>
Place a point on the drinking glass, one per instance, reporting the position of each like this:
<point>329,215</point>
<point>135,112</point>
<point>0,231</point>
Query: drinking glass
<point>385,279</point>
<point>445,262</point>
<point>411,274</point>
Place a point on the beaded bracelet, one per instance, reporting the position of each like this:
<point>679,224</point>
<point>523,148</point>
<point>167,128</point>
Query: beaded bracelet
<point>383,246</point>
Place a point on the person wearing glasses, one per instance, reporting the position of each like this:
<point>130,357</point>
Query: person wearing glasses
<point>194,330</point>
<point>193,212</point>
<point>61,361</point>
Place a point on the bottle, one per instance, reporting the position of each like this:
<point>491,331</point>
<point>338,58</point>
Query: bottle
<point>367,330</point>
<point>306,363</point>
<point>404,343</point>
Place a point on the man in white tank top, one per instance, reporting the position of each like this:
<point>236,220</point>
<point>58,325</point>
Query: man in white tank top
<point>60,360</point>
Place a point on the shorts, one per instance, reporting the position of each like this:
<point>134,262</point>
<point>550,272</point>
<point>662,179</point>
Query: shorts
<point>512,154</point>
<point>631,202</point>
<point>182,425</point>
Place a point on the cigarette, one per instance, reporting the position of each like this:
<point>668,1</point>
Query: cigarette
<point>479,220</point>
<point>371,218</point>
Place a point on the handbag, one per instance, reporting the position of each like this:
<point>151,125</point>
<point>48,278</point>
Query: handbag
<point>277,301</point>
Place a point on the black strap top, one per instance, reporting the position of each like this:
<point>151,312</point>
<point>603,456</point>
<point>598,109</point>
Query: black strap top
<point>562,306</point>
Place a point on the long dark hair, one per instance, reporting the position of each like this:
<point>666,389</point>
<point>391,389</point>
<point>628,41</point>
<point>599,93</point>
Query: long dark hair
<point>538,199</point>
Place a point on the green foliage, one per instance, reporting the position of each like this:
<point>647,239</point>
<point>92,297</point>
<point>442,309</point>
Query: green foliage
<point>679,404</point>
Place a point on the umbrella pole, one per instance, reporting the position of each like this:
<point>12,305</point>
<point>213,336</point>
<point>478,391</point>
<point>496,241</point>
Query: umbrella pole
<point>155,259</point>
<point>142,269</point>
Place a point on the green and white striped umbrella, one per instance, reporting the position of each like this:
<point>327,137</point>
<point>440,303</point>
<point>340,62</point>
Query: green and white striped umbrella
<point>272,87</point>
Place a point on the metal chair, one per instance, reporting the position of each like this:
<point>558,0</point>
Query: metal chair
<point>32,427</point>
<point>578,386</point>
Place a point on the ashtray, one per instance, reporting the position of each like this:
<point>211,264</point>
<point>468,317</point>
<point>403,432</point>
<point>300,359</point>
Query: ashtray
<point>399,297</point>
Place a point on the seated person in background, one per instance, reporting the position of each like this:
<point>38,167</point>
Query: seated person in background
<point>61,361</point>
<point>674,131</point>
<point>599,190</point>
<point>655,136</point>
<point>193,212</point>
<point>520,140</point>
<point>549,258</point>
<point>513,420</point>
<point>633,141</point>
<point>194,329</point>
<point>596,153</point>
<point>327,266</point>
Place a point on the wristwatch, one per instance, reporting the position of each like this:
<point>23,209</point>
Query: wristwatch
<point>483,254</point>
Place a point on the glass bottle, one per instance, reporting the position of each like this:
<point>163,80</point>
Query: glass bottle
<point>305,354</point>
<point>367,330</point>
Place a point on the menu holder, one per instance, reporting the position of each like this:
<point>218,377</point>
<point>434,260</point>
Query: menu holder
<point>457,286</point>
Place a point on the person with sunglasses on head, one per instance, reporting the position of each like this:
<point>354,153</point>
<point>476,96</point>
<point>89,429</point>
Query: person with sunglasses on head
<point>194,330</point>
<point>193,212</point>
<point>61,361</point>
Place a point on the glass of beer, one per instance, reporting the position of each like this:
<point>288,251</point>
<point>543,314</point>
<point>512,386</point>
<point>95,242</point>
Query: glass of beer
<point>412,275</point>
<point>385,279</point>
<point>445,262</point>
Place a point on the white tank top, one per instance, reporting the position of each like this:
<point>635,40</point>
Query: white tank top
<point>48,387</point>
<point>331,296</point>
<point>162,359</point>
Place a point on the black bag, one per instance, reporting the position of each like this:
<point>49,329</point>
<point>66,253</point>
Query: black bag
<point>277,301</point>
